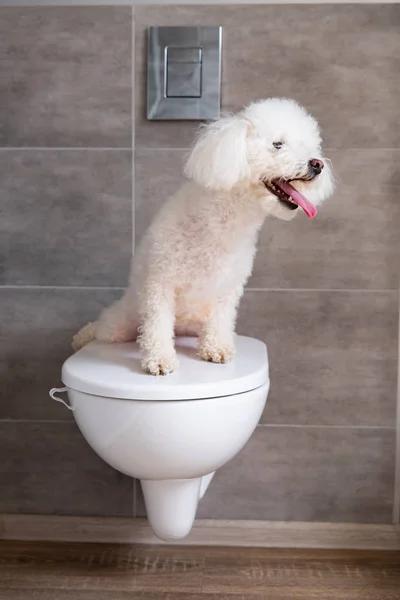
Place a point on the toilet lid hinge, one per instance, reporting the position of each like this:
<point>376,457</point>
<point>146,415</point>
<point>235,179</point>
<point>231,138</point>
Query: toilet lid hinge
<point>53,396</point>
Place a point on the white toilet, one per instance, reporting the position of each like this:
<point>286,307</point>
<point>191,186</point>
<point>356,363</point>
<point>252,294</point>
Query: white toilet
<point>170,432</point>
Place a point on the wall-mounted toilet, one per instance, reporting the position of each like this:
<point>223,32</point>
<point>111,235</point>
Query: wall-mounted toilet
<point>170,432</point>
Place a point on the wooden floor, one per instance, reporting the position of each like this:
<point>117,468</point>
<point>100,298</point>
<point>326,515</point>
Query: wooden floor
<point>49,571</point>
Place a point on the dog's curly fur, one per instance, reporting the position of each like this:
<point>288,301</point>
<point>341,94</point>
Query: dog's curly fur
<point>190,269</point>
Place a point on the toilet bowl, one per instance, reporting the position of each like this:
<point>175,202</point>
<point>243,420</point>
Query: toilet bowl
<point>170,432</point>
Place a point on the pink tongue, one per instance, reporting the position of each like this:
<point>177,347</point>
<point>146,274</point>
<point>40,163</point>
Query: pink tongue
<point>298,198</point>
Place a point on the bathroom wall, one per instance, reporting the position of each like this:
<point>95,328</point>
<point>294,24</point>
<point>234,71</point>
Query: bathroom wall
<point>66,200</point>
<point>324,294</point>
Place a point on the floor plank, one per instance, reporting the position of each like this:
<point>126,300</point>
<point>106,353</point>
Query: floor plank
<point>73,571</point>
<point>359,577</point>
<point>10,594</point>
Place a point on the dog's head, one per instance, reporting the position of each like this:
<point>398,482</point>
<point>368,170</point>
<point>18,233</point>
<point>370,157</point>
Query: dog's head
<point>274,143</point>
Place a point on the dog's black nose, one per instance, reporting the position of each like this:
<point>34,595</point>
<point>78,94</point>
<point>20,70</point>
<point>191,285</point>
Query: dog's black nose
<point>316,165</point>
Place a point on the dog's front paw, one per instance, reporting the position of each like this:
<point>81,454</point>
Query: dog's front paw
<point>216,353</point>
<point>160,365</point>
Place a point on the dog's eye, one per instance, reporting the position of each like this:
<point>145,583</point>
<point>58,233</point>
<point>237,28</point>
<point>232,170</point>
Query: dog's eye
<point>277,145</point>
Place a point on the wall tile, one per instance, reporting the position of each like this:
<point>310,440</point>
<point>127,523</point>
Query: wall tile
<point>333,356</point>
<point>341,62</point>
<point>307,474</point>
<point>66,217</point>
<point>353,243</point>
<point>65,76</point>
<point>158,175</point>
<point>37,326</point>
<point>48,468</point>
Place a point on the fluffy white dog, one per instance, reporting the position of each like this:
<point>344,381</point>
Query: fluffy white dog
<point>189,271</point>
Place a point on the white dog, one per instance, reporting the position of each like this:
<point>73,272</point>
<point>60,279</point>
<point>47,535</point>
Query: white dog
<point>189,271</point>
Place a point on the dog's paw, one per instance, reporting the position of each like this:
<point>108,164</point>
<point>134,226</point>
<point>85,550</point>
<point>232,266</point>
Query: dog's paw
<point>216,353</point>
<point>160,365</point>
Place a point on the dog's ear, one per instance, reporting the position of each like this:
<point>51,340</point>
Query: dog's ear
<point>219,157</point>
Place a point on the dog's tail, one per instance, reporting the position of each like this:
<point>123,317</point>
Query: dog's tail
<point>84,336</point>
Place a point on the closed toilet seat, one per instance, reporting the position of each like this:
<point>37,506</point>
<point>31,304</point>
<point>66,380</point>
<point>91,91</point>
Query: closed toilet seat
<point>114,371</point>
<point>172,433</point>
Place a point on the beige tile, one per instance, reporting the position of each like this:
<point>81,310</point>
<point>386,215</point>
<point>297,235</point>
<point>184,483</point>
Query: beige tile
<point>353,243</point>
<point>339,61</point>
<point>307,474</point>
<point>65,76</point>
<point>48,468</point>
<point>66,217</point>
<point>333,356</point>
<point>37,326</point>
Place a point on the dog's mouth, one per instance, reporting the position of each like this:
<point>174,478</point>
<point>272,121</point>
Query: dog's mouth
<point>290,197</point>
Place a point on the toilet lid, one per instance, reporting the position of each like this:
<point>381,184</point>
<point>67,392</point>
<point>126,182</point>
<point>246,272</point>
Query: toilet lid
<point>114,370</point>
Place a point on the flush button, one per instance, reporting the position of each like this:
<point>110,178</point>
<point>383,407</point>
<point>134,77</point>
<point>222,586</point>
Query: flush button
<point>183,73</point>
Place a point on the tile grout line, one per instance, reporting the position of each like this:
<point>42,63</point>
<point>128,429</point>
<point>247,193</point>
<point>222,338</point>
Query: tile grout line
<point>133,204</point>
<point>396,495</point>
<point>133,125</point>
<point>306,426</point>
<point>327,290</point>
<point>263,425</point>
<point>290,290</point>
<point>155,149</point>
<point>142,148</point>
<point>35,421</point>
<point>59,287</point>
<point>67,148</point>
<point>152,3</point>
<point>134,502</point>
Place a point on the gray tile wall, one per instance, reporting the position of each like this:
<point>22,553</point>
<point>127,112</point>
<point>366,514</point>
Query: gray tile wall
<point>324,294</point>
<point>66,239</point>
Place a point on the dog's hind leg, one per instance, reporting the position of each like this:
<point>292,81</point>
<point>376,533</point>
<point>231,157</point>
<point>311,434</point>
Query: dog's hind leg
<point>118,323</point>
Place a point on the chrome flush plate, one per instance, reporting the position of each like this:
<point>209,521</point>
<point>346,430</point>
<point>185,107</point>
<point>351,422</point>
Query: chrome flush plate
<point>184,73</point>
